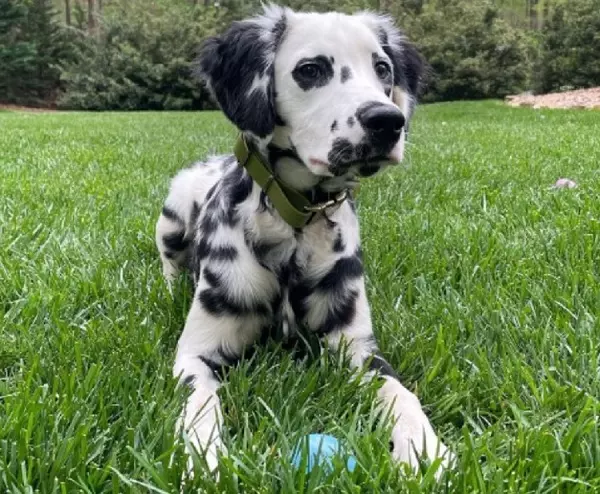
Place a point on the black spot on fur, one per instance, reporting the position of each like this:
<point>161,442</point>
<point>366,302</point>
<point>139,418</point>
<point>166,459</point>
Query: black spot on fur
<point>345,74</point>
<point>176,241</point>
<point>261,249</point>
<point>262,200</point>
<point>212,278</point>
<point>323,72</point>
<point>344,270</point>
<point>216,368</point>
<point>223,253</point>
<point>278,31</point>
<point>382,35</point>
<point>238,184</point>
<point>333,285</point>
<point>210,193</point>
<point>342,151</point>
<point>299,288</point>
<point>338,243</point>
<point>171,214</point>
<point>350,121</point>
<point>380,365</point>
<point>189,380</point>
<point>202,249</point>
<point>229,216</point>
<point>217,302</point>
<point>196,208</point>
<point>334,126</point>
<point>279,120</point>
<point>341,314</point>
<point>208,223</point>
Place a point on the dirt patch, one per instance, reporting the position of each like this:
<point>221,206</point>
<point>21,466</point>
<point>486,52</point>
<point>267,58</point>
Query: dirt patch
<point>580,98</point>
<point>27,109</point>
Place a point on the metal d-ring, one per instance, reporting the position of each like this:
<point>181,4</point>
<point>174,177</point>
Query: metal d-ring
<point>318,208</point>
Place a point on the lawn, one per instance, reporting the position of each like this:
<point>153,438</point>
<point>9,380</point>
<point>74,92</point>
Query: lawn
<point>484,283</point>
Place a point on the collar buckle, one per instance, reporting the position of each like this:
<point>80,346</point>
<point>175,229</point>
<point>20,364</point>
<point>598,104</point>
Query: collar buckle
<point>337,200</point>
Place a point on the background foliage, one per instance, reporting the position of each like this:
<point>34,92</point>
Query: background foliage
<point>570,54</point>
<point>120,54</point>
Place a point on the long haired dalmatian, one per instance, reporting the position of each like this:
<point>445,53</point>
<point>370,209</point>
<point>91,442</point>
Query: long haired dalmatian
<point>320,99</point>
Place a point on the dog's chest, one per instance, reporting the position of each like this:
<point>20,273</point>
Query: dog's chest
<point>298,262</point>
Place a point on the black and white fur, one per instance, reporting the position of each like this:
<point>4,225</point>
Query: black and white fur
<point>324,97</point>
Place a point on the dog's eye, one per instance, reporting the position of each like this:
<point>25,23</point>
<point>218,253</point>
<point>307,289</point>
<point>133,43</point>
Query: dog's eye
<point>382,70</point>
<point>309,70</point>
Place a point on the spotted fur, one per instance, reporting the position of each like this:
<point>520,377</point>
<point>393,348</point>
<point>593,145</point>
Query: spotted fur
<point>251,270</point>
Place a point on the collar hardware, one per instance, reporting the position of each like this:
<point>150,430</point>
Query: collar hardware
<point>293,206</point>
<point>337,200</point>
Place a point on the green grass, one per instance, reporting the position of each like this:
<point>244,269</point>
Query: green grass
<point>484,282</point>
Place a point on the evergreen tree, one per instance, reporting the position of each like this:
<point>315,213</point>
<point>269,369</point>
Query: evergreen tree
<point>52,47</point>
<point>16,53</point>
<point>33,45</point>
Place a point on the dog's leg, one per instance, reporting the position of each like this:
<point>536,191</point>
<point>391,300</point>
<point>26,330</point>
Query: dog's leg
<point>332,302</point>
<point>201,417</point>
<point>172,243</point>
<point>412,433</point>
<point>230,309</point>
<point>208,343</point>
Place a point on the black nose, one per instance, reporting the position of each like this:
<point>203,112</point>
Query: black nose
<point>382,122</point>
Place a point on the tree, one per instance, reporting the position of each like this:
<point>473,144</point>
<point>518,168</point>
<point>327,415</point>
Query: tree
<point>473,53</point>
<point>91,16</point>
<point>142,58</point>
<point>52,47</point>
<point>570,51</point>
<point>68,12</point>
<point>33,44</point>
<point>16,52</point>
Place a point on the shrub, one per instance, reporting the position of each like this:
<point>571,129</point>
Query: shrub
<point>141,59</point>
<point>570,47</point>
<point>33,44</point>
<point>472,52</point>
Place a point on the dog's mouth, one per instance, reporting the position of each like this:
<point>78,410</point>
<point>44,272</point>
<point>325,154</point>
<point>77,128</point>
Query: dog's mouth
<point>361,167</point>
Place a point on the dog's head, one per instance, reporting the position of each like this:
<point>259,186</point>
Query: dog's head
<point>330,93</point>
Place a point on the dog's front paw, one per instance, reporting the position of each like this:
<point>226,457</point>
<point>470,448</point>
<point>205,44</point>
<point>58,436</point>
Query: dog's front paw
<point>410,448</point>
<point>210,456</point>
<point>413,437</point>
<point>208,461</point>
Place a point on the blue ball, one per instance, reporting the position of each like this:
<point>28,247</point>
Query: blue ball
<point>319,449</point>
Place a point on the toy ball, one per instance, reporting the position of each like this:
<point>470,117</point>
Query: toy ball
<point>320,449</point>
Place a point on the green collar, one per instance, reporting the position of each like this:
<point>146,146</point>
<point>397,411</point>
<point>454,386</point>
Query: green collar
<point>294,207</point>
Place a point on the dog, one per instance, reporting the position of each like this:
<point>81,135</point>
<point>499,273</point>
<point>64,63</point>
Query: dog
<point>270,234</point>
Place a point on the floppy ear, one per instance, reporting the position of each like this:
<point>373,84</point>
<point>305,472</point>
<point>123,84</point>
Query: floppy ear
<point>238,68</point>
<point>407,62</point>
